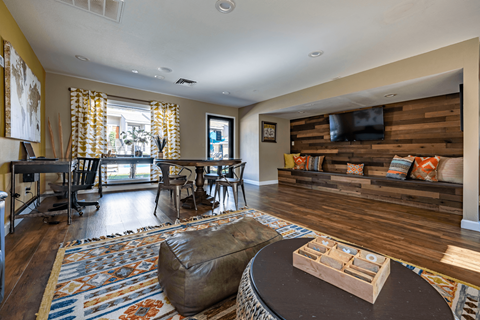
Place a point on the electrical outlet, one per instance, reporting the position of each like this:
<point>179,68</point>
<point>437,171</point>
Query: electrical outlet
<point>293,143</point>
<point>27,190</point>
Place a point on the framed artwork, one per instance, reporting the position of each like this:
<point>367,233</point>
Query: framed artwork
<point>22,98</point>
<point>269,131</point>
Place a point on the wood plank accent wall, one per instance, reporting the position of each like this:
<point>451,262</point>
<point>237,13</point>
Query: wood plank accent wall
<point>424,127</point>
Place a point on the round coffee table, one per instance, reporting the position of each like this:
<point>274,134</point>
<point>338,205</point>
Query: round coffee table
<point>277,290</point>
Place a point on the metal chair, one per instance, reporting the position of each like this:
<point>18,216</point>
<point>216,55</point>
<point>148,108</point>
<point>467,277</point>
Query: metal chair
<point>83,178</point>
<point>230,182</point>
<point>212,177</point>
<point>176,185</point>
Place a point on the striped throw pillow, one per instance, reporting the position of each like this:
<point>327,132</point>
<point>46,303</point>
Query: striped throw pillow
<point>314,163</point>
<point>356,169</point>
<point>399,167</point>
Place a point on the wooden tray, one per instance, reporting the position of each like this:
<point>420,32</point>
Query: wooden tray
<point>359,272</point>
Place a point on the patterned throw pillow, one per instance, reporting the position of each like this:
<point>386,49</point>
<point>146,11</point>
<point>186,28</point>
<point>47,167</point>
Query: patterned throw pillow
<point>299,162</point>
<point>399,167</point>
<point>289,163</point>
<point>450,170</point>
<point>356,169</point>
<point>425,168</point>
<point>314,163</point>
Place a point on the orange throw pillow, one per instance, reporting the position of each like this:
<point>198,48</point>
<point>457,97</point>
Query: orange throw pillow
<point>425,168</point>
<point>299,162</point>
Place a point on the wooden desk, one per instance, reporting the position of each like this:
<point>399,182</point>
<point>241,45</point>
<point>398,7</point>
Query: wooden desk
<point>39,166</point>
<point>201,197</point>
<point>121,160</point>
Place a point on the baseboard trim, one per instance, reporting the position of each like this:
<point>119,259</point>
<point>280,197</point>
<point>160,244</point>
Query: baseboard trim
<point>260,183</point>
<point>471,225</point>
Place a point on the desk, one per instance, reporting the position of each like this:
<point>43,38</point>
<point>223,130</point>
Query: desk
<point>120,160</point>
<point>38,166</point>
<point>201,197</point>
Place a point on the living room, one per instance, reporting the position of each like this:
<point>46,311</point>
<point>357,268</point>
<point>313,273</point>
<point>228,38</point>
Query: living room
<point>214,82</point>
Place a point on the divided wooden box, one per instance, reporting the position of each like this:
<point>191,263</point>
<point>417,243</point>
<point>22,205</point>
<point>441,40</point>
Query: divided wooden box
<point>359,272</point>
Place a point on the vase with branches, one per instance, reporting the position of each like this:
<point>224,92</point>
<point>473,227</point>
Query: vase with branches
<point>137,139</point>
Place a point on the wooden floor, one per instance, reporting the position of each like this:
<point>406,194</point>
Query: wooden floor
<point>426,238</point>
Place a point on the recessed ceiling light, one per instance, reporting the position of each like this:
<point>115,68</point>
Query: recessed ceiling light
<point>315,54</point>
<point>165,69</point>
<point>159,77</point>
<point>225,6</point>
<point>226,92</point>
<point>336,78</point>
<point>81,58</point>
<point>390,95</point>
<point>301,111</point>
<point>135,71</point>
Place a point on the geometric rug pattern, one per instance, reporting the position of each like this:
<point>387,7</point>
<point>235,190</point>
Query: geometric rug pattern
<point>117,278</point>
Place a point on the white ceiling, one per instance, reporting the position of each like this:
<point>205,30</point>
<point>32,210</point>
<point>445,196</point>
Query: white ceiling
<point>431,86</point>
<point>257,52</point>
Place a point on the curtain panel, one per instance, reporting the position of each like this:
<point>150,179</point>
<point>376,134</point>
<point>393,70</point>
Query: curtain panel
<point>165,120</point>
<point>89,124</point>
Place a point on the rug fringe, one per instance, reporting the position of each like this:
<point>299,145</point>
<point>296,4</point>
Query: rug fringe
<point>79,242</point>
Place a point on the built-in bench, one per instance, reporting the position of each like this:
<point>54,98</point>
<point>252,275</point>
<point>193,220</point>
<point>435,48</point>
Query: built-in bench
<point>438,196</point>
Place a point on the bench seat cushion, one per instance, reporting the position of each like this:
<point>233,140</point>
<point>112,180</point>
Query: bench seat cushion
<point>199,268</point>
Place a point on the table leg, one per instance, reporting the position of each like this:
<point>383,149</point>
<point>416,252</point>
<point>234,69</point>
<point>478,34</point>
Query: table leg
<point>201,197</point>
<point>100,188</point>
<point>38,193</point>
<point>12,201</point>
<point>69,209</point>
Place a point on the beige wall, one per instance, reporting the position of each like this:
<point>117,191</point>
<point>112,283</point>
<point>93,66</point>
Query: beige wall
<point>463,55</point>
<point>10,148</point>
<point>192,113</point>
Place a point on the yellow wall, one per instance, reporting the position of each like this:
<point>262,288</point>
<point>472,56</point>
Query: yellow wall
<point>10,148</point>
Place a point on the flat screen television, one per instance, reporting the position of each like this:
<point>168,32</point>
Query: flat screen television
<point>359,125</point>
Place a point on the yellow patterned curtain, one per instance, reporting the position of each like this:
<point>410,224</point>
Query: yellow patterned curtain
<point>165,119</point>
<point>89,124</point>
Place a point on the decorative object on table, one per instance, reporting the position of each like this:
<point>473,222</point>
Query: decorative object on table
<point>137,139</point>
<point>299,162</point>
<point>200,268</point>
<point>314,163</point>
<point>234,183</point>
<point>289,162</point>
<point>110,154</point>
<point>160,143</point>
<point>356,169</point>
<point>165,122</point>
<point>269,131</point>
<point>22,98</point>
<point>399,167</point>
<point>52,140</point>
<point>450,170</point>
<point>124,281</point>
<point>425,168</point>
<point>359,272</point>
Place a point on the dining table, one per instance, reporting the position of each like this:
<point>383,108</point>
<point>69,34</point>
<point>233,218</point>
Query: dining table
<point>201,196</point>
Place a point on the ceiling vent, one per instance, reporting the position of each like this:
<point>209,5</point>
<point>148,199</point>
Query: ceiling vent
<point>109,9</point>
<point>186,82</point>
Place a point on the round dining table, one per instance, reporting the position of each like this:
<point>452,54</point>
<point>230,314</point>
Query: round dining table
<point>201,196</point>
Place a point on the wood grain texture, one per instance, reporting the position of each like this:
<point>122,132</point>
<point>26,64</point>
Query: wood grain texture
<point>425,127</point>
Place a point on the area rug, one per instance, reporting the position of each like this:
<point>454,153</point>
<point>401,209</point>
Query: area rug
<point>117,278</point>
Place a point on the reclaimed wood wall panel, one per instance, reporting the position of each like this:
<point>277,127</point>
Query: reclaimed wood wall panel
<point>424,127</point>
<point>437,196</point>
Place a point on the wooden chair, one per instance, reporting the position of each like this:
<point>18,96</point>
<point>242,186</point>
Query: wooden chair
<point>176,185</point>
<point>230,182</point>
<point>83,178</point>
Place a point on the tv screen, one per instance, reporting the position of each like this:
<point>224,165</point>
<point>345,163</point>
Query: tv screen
<point>359,125</point>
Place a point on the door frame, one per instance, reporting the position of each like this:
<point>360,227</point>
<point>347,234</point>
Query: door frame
<point>234,141</point>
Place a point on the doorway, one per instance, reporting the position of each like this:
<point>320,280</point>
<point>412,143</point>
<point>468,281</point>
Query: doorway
<point>219,138</point>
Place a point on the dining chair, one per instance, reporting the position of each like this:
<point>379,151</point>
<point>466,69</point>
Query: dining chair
<point>212,177</point>
<point>176,185</point>
<point>234,183</point>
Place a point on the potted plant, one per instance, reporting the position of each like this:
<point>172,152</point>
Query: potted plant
<point>161,143</point>
<point>137,139</point>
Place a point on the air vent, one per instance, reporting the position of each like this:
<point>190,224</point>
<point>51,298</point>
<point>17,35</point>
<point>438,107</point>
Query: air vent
<point>186,82</point>
<point>108,9</point>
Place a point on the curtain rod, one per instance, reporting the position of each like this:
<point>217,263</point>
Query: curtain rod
<point>126,98</point>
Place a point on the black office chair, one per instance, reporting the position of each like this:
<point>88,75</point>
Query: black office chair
<point>176,185</point>
<point>83,178</point>
<point>230,182</point>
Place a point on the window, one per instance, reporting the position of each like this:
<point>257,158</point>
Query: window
<point>130,119</point>
<point>220,138</point>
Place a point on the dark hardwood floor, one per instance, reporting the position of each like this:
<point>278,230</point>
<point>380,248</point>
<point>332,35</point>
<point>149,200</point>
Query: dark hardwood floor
<point>429,239</point>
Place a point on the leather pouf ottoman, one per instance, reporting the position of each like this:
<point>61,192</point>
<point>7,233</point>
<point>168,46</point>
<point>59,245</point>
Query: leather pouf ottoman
<point>197,269</point>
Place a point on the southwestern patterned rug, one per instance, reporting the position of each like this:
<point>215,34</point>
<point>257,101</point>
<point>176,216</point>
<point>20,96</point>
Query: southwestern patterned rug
<point>117,278</point>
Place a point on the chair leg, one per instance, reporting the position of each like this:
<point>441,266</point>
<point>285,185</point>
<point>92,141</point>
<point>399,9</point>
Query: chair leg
<point>177,201</point>
<point>194,201</point>
<point>244,196</point>
<point>217,191</point>
<point>224,195</point>
<point>156,201</point>
<point>235,195</point>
